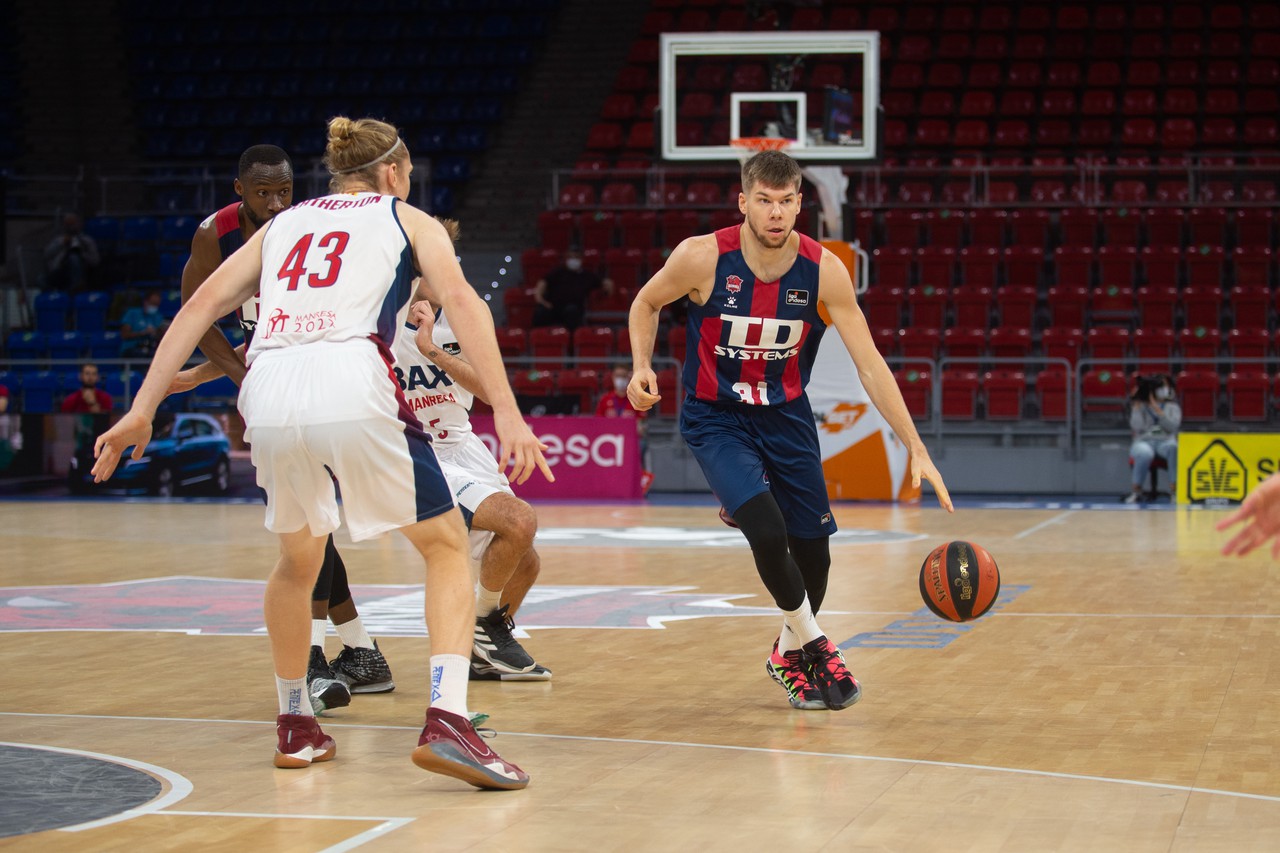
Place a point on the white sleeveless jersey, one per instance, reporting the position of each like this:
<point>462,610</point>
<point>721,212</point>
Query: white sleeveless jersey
<point>334,269</point>
<point>443,406</point>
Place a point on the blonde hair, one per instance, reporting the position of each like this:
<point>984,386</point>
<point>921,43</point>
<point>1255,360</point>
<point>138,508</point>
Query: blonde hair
<point>772,169</point>
<point>356,147</point>
<point>452,227</point>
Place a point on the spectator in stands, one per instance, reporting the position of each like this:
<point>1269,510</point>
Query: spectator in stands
<point>1154,417</point>
<point>71,257</point>
<point>1261,509</point>
<point>562,295</point>
<point>89,399</point>
<point>142,327</point>
<point>614,404</point>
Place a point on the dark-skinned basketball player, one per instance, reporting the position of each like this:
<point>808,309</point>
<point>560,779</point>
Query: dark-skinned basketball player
<point>760,297</point>
<point>265,186</point>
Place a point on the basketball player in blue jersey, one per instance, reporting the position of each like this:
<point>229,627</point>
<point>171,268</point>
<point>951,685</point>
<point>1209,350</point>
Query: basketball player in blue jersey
<point>332,275</point>
<point>760,298</point>
<point>265,186</point>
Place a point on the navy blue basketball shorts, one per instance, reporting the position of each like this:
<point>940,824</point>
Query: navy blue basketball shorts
<point>745,451</point>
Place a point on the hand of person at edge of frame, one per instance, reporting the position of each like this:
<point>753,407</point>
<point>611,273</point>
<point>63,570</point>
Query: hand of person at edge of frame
<point>1261,511</point>
<point>518,444</point>
<point>182,383</point>
<point>132,429</point>
<point>641,390</point>
<point>924,469</point>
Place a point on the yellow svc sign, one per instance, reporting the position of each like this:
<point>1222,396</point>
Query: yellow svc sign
<point>1224,467</point>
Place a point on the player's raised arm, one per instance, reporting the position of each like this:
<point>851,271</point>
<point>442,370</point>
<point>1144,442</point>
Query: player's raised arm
<point>422,315</point>
<point>835,291</point>
<point>688,272</point>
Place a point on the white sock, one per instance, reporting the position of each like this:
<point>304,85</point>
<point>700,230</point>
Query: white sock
<point>804,628</point>
<point>292,693</point>
<point>486,600</point>
<point>319,627</point>
<point>449,674</point>
<point>354,635</point>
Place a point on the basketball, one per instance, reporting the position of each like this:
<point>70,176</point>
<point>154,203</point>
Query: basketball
<point>959,581</point>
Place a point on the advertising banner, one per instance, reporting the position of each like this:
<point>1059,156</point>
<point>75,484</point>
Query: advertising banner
<point>861,456</point>
<point>1224,467</point>
<point>590,457</point>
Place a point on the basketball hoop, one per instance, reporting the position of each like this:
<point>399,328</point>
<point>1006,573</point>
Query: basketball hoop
<point>750,145</point>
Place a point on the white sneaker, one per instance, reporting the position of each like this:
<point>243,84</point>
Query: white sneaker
<point>1133,497</point>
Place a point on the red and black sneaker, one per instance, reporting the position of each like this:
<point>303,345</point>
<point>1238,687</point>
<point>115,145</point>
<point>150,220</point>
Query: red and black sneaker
<point>452,746</point>
<point>300,742</point>
<point>831,674</point>
<point>792,672</point>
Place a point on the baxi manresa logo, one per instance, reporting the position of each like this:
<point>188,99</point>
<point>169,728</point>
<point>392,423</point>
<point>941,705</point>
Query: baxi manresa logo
<point>732,283</point>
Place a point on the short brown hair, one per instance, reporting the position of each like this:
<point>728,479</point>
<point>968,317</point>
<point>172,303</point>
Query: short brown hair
<point>771,169</point>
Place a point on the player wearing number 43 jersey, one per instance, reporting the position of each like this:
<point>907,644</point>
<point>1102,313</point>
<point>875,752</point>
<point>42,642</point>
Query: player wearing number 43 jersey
<point>760,298</point>
<point>320,397</point>
<point>439,385</point>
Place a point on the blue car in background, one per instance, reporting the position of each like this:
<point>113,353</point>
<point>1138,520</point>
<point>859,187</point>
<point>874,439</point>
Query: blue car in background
<point>189,449</point>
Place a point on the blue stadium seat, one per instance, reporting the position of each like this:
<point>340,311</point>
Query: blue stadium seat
<point>178,229</point>
<point>51,311</point>
<point>104,345</point>
<point>27,345</point>
<point>104,229</point>
<point>216,394</point>
<point>90,309</point>
<point>41,391</point>
<point>68,345</point>
<point>121,387</point>
<point>441,200</point>
<point>448,169</point>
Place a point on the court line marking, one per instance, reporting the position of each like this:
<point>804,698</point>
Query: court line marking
<point>385,825</point>
<point>179,786</point>
<point>989,768</point>
<point>1057,519</point>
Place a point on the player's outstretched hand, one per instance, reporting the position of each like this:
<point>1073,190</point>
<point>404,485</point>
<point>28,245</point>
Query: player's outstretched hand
<point>133,429</point>
<point>518,443</point>
<point>1261,512</point>
<point>922,467</point>
<point>642,390</point>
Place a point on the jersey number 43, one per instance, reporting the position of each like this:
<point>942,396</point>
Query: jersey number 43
<point>295,264</point>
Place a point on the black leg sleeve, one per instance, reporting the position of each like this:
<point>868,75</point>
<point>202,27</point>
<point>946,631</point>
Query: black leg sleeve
<point>813,556</point>
<point>761,522</point>
<point>339,589</point>
<point>324,581</point>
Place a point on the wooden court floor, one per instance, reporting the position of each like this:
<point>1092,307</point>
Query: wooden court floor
<point>1125,696</point>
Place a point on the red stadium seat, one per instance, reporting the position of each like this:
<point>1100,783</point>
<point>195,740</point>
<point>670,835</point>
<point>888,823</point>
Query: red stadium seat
<point>943,227</point>
<point>960,394</point>
<point>1022,265</point>
<point>1160,264</point>
<point>1247,391</point>
<point>582,382</point>
<point>1053,388</point>
<point>979,265</point>
<point>916,387</point>
<point>536,263</point>
<point>1073,265</point>
<point>1156,305</point>
<point>1108,346</point>
<point>1248,343</point>
<point>882,305</point>
<point>677,342</point>
<point>593,342</point>
<point>1198,390</point>
<point>1004,391</point>
<point>1164,227</point>
<point>1207,226</point>
<point>1104,391</point>
<point>892,265</point>
<point>511,342</point>
<point>927,305</point>
<point>920,342</point>
<point>965,342</point>
<point>1200,342</point>
<point>987,228</point>
<point>555,229</point>
<point>622,265</point>
<point>518,304</point>
<point>1153,348</point>
<point>1201,305</point>
<point>1030,228</point>
<point>597,229</point>
<point>1010,342</point>
<point>1079,226</point>
<point>1250,304</point>
<point>1017,303</point>
<point>1117,265</point>
<point>937,266</point>
<point>1062,342</point>
<point>550,342</point>
<point>1121,227</point>
<point>971,306</point>
<point>638,228</point>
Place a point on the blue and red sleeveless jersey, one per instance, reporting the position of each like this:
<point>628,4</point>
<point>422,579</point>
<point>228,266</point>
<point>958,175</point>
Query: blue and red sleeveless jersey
<point>754,342</point>
<point>227,222</point>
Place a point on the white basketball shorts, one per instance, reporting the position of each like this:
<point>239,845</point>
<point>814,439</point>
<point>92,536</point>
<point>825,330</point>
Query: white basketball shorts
<point>332,407</point>
<point>473,476</point>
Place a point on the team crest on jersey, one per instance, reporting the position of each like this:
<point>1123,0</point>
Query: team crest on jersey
<point>797,297</point>
<point>732,283</point>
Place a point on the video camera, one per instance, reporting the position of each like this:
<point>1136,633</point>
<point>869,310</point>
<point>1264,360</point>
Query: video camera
<point>1146,388</point>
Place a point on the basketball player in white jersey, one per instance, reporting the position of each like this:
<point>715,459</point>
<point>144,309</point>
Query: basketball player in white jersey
<point>332,274</point>
<point>264,183</point>
<point>439,385</point>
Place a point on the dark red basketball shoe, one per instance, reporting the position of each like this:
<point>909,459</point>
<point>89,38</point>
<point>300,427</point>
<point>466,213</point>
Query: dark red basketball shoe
<point>451,745</point>
<point>792,672</point>
<point>300,742</point>
<point>839,688</point>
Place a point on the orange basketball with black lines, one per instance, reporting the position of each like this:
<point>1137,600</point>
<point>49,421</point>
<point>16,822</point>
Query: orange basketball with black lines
<point>959,581</point>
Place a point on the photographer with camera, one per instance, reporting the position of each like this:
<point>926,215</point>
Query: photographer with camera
<point>1154,417</point>
<point>71,257</point>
